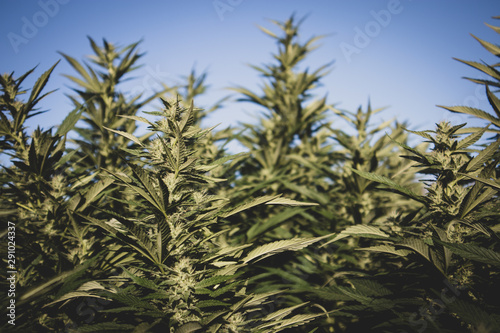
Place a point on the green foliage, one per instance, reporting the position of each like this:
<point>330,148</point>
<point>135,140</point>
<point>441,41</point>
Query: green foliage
<point>52,246</point>
<point>316,228</point>
<point>454,235</point>
<point>183,274</point>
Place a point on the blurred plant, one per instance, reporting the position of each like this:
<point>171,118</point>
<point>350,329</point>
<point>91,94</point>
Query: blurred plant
<point>102,103</point>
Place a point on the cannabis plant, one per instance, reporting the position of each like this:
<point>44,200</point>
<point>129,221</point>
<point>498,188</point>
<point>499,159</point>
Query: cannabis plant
<point>293,151</point>
<point>101,103</point>
<point>184,277</point>
<point>39,194</point>
<point>449,247</point>
<point>292,123</point>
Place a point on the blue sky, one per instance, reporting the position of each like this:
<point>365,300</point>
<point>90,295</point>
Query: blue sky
<point>396,53</point>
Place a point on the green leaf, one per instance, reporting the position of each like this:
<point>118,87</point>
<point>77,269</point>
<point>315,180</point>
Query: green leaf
<point>484,157</point>
<point>272,222</point>
<point>273,248</point>
<point>137,118</point>
<point>474,252</point>
<point>211,303</point>
<point>489,182</point>
<point>471,139</point>
<point>70,121</point>
<point>386,249</point>
<point>473,112</point>
<point>190,327</point>
<point>295,321</point>
<point>94,192</point>
<point>494,101</point>
<point>214,280</point>
<point>417,245</point>
<point>289,202</point>
<point>38,87</point>
<point>393,185</point>
<point>142,281</point>
<point>127,135</point>
<point>361,231</point>
<point>494,49</point>
<point>253,203</point>
<point>473,314</point>
<point>48,285</point>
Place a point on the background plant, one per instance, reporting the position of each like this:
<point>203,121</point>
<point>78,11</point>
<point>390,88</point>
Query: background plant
<point>451,242</point>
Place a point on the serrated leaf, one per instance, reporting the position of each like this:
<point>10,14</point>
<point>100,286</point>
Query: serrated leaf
<point>38,87</point>
<point>386,249</point>
<point>473,112</point>
<point>127,135</point>
<point>492,48</point>
<point>289,202</point>
<point>94,192</point>
<point>393,185</point>
<point>483,180</point>
<point>473,314</point>
<point>474,252</point>
<point>192,326</point>
<point>418,246</point>
<point>359,230</point>
<point>494,101</point>
<point>253,203</point>
<point>211,303</point>
<point>471,139</point>
<point>142,281</point>
<point>70,121</point>
<point>483,157</point>
<point>279,314</point>
<point>295,321</point>
<point>137,118</point>
<point>273,248</point>
<point>74,294</point>
<point>214,280</point>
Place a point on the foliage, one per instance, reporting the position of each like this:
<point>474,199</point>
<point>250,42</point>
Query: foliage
<point>450,245</point>
<point>317,228</point>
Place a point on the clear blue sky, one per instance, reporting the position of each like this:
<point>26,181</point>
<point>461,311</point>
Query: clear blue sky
<point>404,62</point>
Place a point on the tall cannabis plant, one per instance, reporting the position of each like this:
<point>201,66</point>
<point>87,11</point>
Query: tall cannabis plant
<point>449,248</point>
<point>39,193</point>
<point>184,276</point>
<point>102,103</point>
<point>292,124</point>
<point>293,151</point>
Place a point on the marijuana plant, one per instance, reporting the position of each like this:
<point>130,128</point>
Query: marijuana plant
<point>454,235</point>
<point>39,192</point>
<point>184,276</point>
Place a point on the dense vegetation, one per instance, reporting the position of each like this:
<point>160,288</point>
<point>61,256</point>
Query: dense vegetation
<point>313,229</point>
